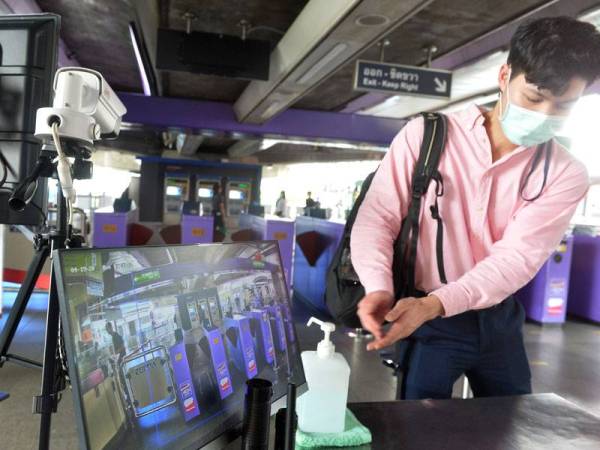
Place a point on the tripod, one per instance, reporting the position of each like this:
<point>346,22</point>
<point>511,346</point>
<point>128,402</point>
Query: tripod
<point>53,375</point>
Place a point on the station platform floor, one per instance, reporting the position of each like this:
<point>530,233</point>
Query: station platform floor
<point>564,360</point>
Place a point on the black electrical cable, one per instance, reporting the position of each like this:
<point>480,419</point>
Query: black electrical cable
<point>41,211</point>
<point>6,168</point>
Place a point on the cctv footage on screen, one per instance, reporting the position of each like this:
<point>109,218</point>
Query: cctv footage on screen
<point>163,339</point>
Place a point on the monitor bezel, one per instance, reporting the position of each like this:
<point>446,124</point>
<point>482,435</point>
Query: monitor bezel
<point>219,441</point>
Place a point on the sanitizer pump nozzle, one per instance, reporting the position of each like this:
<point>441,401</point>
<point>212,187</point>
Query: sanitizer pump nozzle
<point>325,348</point>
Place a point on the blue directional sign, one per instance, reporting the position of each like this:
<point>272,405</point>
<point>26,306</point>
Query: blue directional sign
<point>399,79</point>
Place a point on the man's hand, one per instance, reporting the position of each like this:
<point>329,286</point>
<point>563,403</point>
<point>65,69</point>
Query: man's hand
<point>372,310</point>
<point>408,315</point>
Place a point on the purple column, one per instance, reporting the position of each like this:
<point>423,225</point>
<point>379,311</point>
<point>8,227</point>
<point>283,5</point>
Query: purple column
<point>584,292</point>
<point>545,297</point>
<point>111,229</point>
<point>196,229</point>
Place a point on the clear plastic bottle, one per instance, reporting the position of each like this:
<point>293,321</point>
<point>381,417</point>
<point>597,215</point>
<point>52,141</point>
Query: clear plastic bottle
<point>323,408</point>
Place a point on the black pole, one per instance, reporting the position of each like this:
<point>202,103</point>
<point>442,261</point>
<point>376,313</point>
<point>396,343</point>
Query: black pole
<point>291,420</point>
<point>46,403</point>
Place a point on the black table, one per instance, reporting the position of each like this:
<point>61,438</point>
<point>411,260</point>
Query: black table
<point>539,421</point>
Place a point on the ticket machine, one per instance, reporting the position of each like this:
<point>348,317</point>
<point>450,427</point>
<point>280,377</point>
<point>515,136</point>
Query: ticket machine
<point>176,193</point>
<point>238,197</point>
<point>204,195</point>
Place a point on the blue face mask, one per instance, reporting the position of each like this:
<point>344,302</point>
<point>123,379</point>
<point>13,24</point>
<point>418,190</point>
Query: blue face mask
<point>528,128</point>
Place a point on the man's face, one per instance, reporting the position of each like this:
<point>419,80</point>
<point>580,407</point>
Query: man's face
<point>529,96</point>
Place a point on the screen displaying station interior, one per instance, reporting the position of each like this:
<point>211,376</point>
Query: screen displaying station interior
<point>161,340</point>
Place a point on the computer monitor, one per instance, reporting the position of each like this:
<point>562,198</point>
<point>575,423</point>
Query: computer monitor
<point>28,55</point>
<point>161,340</point>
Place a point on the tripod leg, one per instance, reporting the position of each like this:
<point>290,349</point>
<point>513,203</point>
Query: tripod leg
<point>46,403</point>
<point>18,309</point>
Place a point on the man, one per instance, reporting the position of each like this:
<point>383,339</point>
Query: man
<point>281,205</point>
<point>310,203</point>
<point>117,341</point>
<point>218,210</point>
<point>501,219</point>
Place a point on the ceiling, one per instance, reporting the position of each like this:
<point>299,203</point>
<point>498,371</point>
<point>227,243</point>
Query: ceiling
<point>97,32</point>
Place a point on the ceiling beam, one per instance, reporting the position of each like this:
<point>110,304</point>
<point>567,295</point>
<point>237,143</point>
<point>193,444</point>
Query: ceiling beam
<point>163,112</point>
<point>484,45</point>
<point>188,144</point>
<point>66,57</point>
<point>245,148</point>
<point>324,37</point>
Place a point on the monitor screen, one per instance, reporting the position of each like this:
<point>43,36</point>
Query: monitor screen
<point>205,192</point>
<point>28,55</point>
<point>161,340</point>
<point>174,191</point>
<point>234,194</point>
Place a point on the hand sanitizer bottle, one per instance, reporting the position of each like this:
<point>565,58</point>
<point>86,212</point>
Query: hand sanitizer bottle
<point>323,408</point>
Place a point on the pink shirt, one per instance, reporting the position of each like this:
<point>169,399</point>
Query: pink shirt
<point>494,241</point>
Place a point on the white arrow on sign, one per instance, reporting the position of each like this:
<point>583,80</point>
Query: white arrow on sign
<point>440,86</point>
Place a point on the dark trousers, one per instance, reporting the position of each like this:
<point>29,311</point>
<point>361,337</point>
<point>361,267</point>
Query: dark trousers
<point>486,345</point>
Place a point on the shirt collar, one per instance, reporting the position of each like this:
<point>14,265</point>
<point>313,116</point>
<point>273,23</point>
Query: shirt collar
<point>473,116</point>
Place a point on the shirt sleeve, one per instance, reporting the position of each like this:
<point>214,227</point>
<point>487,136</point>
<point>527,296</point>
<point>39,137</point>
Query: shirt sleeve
<point>527,242</point>
<point>380,215</point>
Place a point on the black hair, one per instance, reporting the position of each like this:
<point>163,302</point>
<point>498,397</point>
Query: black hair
<point>550,52</point>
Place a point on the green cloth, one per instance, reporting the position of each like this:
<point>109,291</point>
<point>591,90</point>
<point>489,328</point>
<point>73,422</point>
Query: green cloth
<point>354,434</point>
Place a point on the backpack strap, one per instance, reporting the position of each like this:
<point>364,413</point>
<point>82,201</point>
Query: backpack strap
<point>426,169</point>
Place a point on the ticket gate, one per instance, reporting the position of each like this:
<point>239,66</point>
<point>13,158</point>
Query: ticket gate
<point>239,336</point>
<point>263,337</point>
<point>201,310</point>
<point>149,380</point>
<point>279,325</point>
<point>188,401</point>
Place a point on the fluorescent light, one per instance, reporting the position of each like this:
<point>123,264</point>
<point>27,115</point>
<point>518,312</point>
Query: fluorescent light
<point>140,62</point>
<point>322,63</point>
<point>592,17</point>
<point>267,143</point>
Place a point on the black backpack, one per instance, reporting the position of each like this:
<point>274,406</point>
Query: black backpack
<point>343,290</point>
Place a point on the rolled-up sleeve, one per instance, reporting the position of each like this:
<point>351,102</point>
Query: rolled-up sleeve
<point>380,215</point>
<point>528,240</point>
